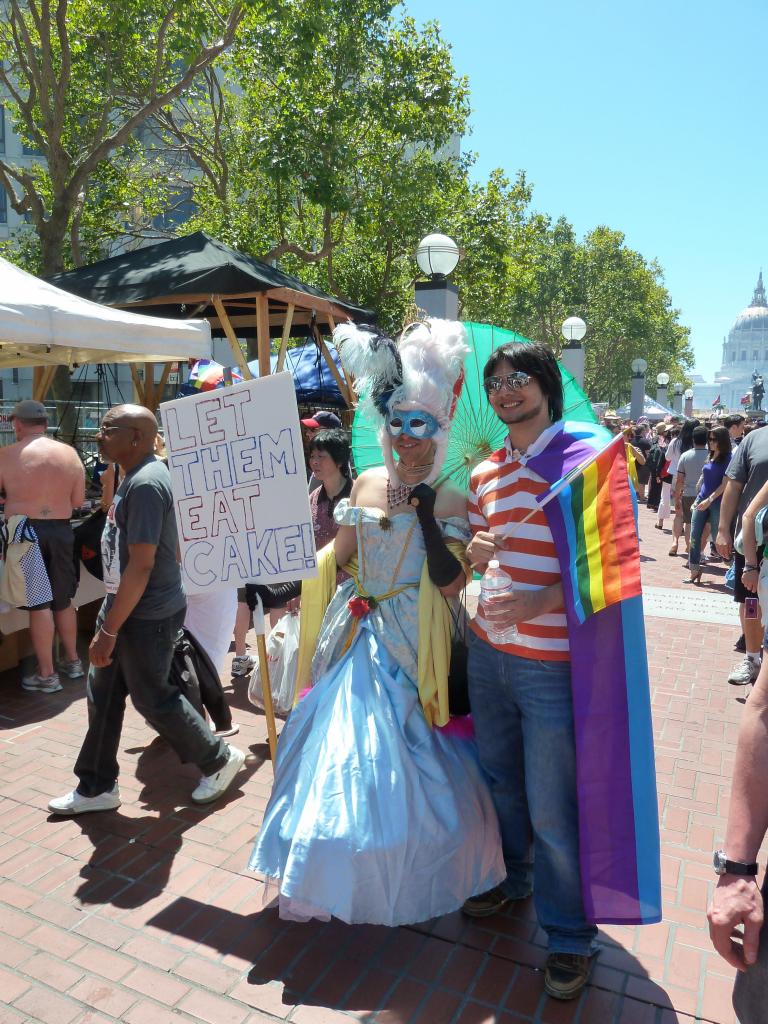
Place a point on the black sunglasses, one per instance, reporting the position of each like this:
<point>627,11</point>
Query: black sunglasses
<point>514,381</point>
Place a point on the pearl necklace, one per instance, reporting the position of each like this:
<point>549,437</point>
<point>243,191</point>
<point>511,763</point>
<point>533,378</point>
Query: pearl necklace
<point>398,494</point>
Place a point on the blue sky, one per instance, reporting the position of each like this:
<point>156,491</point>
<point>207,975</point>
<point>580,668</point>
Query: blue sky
<point>648,117</point>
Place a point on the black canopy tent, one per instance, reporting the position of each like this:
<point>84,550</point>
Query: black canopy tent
<point>198,276</point>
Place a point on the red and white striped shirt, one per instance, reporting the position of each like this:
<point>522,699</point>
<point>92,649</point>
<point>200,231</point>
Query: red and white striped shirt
<point>502,491</point>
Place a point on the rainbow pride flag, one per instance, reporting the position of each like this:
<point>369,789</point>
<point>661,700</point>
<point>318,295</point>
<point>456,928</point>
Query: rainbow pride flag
<point>591,510</point>
<point>604,562</point>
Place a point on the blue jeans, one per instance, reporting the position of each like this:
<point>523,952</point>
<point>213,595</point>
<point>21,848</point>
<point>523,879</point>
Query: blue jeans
<point>523,715</point>
<point>699,519</point>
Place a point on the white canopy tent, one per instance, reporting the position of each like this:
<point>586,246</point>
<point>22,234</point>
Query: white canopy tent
<point>41,325</point>
<point>651,408</point>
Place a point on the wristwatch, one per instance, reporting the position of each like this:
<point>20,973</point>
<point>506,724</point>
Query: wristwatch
<point>723,866</point>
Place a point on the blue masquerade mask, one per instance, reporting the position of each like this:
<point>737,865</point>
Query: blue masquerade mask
<point>415,423</point>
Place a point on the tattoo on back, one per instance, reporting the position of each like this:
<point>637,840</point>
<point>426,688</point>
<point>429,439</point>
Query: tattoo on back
<point>44,512</point>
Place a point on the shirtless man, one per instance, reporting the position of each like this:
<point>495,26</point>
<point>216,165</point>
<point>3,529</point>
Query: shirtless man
<point>44,480</point>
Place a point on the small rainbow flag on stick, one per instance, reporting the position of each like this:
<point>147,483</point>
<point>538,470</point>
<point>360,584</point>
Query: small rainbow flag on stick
<point>604,557</point>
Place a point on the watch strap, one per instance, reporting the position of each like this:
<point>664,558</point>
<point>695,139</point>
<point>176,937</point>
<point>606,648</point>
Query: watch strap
<point>724,866</point>
<point>736,867</point>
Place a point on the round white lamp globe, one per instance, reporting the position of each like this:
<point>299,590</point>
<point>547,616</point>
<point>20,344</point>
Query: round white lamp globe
<point>437,255</point>
<point>574,328</point>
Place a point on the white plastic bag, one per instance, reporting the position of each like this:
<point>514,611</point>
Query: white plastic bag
<point>282,659</point>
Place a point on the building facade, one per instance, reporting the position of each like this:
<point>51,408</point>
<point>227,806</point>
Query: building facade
<point>745,351</point>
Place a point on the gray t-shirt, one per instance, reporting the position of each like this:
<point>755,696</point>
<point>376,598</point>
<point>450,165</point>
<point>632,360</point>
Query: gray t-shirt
<point>749,466</point>
<point>690,465</point>
<point>142,513</point>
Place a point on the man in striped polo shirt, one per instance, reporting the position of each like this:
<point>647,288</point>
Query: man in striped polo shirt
<point>521,696</point>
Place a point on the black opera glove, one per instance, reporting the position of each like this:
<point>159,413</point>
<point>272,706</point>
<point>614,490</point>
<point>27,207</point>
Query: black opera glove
<point>274,595</point>
<point>443,567</point>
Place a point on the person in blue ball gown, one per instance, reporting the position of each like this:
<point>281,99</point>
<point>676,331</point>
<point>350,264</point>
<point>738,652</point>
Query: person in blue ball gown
<point>378,814</point>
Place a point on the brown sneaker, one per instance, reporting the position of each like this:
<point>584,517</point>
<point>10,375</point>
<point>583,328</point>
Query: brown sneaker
<point>488,903</point>
<point>566,974</point>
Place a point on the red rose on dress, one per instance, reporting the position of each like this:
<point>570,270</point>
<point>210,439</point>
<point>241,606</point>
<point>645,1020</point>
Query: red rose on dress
<point>359,607</point>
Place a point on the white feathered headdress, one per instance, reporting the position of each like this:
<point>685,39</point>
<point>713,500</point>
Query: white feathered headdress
<point>424,370</point>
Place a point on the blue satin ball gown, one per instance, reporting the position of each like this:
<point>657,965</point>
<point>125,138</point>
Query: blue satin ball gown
<point>375,817</point>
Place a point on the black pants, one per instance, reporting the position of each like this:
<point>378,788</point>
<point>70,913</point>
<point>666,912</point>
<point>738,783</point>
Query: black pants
<point>654,492</point>
<point>140,667</point>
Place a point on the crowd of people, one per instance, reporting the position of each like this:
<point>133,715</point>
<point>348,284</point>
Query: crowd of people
<point>706,477</point>
<point>389,805</point>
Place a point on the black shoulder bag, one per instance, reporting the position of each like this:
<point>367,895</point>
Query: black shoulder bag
<point>458,681</point>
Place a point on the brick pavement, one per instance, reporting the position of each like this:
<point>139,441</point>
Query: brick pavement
<point>147,915</point>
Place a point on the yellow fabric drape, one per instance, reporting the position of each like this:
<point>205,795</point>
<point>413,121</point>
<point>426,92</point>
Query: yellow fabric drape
<point>434,651</point>
<point>632,466</point>
<point>316,595</point>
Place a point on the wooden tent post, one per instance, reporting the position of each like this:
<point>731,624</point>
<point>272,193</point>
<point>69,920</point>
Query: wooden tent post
<point>42,376</point>
<point>347,378</point>
<point>234,344</point>
<point>138,385</point>
<point>149,386</point>
<point>160,386</point>
<point>262,334</point>
<point>287,325</point>
<point>345,393</point>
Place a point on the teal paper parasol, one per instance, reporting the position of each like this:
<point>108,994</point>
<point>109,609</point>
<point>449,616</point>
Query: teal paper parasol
<point>475,430</point>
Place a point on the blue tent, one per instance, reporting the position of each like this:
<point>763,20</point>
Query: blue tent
<point>312,379</point>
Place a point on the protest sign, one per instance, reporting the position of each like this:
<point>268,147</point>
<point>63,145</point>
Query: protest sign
<point>239,485</point>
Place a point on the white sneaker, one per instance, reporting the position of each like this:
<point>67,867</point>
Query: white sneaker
<point>72,669</point>
<point>232,730</point>
<point>42,684</point>
<point>243,665</point>
<point>76,803</point>
<point>213,786</point>
<point>745,672</point>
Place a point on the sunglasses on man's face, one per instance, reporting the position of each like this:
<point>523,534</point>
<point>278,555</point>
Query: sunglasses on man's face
<point>513,381</point>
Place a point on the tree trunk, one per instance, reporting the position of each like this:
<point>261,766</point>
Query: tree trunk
<point>52,240</point>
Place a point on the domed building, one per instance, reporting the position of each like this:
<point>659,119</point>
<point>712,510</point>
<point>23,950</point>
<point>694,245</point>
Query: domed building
<point>744,351</point>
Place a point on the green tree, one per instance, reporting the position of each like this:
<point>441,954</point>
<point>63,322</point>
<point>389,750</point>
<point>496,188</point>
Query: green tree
<point>81,77</point>
<point>319,144</point>
<point>630,314</point>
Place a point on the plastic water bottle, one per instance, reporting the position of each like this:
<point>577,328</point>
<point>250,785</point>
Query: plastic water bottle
<point>494,583</point>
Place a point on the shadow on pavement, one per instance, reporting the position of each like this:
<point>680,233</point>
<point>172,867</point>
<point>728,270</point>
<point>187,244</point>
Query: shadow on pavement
<point>132,856</point>
<point>408,972</point>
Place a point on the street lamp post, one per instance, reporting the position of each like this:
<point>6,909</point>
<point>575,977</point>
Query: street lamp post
<point>662,389</point>
<point>688,396</point>
<point>637,404</point>
<point>677,401</point>
<point>437,256</point>
<point>572,354</point>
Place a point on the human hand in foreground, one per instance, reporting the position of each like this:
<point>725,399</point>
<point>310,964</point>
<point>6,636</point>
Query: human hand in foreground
<point>736,901</point>
<point>519,606</point>
<point>423,499</point>
<point>100,649</point>
<point>482,548</point>
<point>723,544</point>
<point>749,578</point>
